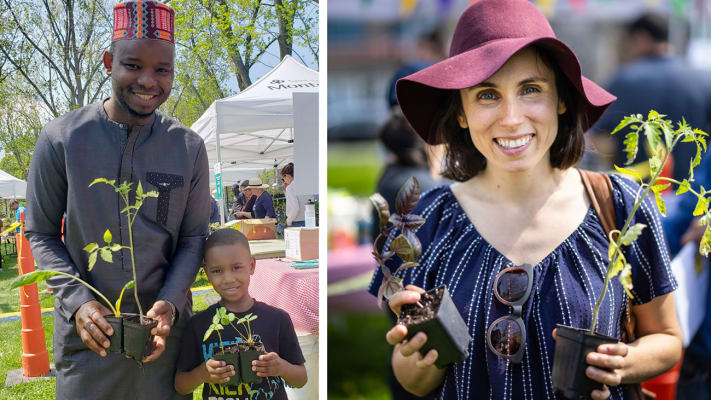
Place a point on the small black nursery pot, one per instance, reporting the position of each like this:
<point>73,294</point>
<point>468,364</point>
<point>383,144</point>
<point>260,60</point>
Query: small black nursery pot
<point>441,321</point>
<point>572,345</point>
<point>137,338</point>
<point>231,357</point>
<point>116,339</point>
<point>245,360</point>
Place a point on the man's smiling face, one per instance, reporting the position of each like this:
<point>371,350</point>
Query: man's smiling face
<point>142,76</point>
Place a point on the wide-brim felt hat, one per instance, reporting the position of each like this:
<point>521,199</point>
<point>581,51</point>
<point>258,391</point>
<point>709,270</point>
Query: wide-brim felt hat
<point>487,35</point>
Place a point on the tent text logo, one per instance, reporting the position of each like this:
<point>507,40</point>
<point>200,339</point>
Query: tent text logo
<point>281,84</point>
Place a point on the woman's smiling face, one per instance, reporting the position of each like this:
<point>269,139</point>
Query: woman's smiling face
<point>512,117</point>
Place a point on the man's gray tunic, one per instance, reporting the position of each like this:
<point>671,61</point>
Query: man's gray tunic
<point>169,234</point>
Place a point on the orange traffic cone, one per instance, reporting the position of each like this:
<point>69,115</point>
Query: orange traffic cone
<point>35,359</point>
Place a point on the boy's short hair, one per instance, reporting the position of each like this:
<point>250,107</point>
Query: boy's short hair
<point>226,237</point>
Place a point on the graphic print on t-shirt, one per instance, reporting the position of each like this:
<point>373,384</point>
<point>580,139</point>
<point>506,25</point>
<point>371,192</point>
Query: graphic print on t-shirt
<point>243,391</point>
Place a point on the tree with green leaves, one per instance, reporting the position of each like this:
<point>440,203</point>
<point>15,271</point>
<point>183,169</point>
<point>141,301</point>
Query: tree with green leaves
<point>219,40</point>
<point>56,47</point>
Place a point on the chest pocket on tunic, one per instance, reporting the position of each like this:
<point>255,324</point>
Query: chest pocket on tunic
<point>164,183</point>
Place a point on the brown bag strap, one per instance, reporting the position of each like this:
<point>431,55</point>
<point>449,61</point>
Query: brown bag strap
<point>599,189</point>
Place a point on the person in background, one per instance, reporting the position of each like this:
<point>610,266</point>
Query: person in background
<point>653,79</point>
<point>214,210</point>
<point>239,198</point>
<point>246,211</point>
<point>263,205</point>
<point>17,208</point>
<point>294,202</point>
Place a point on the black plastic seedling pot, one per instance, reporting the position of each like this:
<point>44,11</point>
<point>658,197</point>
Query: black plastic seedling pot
<point>231,357</point>
<point>116,339</point>
<point>572,345</point>
<point>137,338</point>
<point>245,360</point>
<point>446,330</point>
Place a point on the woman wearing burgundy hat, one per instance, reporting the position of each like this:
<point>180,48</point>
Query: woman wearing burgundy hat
<point>511,106</point>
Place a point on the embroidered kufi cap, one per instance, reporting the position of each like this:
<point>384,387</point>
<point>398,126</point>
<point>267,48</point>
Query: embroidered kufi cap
<point>143,19</point>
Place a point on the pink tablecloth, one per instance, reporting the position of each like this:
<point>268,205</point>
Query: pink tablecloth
<point>293,290</point>
<point>352,263</point>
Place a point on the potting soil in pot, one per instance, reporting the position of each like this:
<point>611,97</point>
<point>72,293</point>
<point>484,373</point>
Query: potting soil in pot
<point>440,320</point>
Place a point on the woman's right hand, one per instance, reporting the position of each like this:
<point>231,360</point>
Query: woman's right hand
<point>397,335</point>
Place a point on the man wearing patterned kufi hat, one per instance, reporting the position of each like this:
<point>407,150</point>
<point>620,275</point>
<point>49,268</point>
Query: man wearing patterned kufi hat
<point>123,138</point>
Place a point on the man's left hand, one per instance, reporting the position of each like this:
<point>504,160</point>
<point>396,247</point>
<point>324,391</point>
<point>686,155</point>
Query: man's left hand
<point>163,312</point>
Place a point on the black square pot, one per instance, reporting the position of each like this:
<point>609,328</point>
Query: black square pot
<point>245,360</point>
<point>137,338</point>
<point>116,339</point>
<point>231,358</point>
<point>446,332</point>
<point>572,345</point>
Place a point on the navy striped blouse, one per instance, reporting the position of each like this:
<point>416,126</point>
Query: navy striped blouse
<point>566,285</point>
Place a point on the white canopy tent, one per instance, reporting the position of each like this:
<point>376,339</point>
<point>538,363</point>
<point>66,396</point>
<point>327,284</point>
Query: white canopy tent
<point>253,130</point>
<point>11,187</point>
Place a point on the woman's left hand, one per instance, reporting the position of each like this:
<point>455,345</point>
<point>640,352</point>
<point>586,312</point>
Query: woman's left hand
<point>606,367</point>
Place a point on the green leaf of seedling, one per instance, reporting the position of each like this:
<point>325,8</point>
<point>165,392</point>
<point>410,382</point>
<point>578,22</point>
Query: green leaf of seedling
<point>216,319</point>
<point>701,207</point>
<point>115,247</point>
<point>705,244</point>
<point>102,180</point>
<point>108,237</point>
<point>632,234</point>
<point>652,114</point>
<point>408,265</point>
<point>231,317</point>
<point>208,332</point>
<point>699,132</point>
<point>139,190</point>
<point>106,255</point>
<point>626,279</point>
<point>616,268</point>
<point>252,318</point>
<point>629,172</point>
<point>152,193</point>
<point>625,121</point>
<point>655,164</point>
<point>701,140</point>
<point>660,203</point>
<point>32,277</point>
<point>630,143</point>
<point>91,247</point>
<point>92,259</point>
<point>683,187</point>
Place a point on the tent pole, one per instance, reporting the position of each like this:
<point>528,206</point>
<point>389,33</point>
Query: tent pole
<point>219,160</point>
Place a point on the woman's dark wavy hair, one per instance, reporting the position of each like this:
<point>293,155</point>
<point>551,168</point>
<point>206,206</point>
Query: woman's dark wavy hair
<point>464,161</point>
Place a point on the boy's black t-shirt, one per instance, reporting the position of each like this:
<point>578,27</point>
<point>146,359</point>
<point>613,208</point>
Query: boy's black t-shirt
<point>273,325</point>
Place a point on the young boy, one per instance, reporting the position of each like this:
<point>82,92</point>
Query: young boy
<point>228,265</point>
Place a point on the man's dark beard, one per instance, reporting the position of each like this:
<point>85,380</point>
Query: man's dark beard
<point>125,106</point>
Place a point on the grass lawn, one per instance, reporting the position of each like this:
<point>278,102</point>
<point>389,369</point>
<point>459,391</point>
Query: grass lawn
<point>11,340</point>
<point>358,356</point>
<point>354,166</point>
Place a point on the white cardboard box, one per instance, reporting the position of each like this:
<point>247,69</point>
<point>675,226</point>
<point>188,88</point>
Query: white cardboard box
<point>301,243</point>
